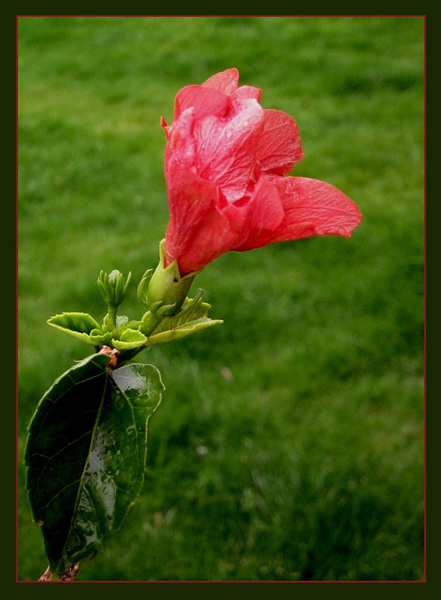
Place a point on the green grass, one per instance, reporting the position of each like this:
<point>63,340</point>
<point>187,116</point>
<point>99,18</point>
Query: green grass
<point>290,442</point>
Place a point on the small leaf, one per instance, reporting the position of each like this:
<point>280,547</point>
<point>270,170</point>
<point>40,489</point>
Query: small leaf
<point>86,453</point>
<point>121,321</point>
<point>98,338</point>
<point>129,340</point>
<point>77,324</point>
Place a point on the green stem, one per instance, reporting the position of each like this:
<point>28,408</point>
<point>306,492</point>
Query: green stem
<point>150,323</point>
<point>112,315</point>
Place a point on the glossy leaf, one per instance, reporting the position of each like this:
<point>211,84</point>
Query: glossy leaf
<point>86,454</point>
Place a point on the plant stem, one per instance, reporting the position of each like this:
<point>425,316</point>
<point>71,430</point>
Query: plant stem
<point>112,315</point>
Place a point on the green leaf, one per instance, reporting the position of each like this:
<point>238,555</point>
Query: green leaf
<point>86,453</point>
<point>98,338</point>
<point>80,325</point>
<point>121,321</point>
<point>181,331</point>
<point>129,340</point>
<point>191,318</point>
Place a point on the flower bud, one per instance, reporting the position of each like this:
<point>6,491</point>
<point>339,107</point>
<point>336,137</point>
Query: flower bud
<point>113,288</point>
<point>165,290</point>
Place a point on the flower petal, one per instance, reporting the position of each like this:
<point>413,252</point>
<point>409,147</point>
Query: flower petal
<point>310,200</point>
<point>225,81</point>
<point>180,151</point>
<point>311,207</point>
<point>280,144</point>
<point>204,100</point>
<point>207,233</point>
<point>193,201</point>
<point>226,147</point>
<point>263,212</point>
<point>247,91</point>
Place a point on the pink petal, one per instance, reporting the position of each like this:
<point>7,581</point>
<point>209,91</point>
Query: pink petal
<point>225,81</point>
<point>266,210</point>
<point>197,232</point>
<point>192,202</point>
<point>311,207</point>
<point>280,144</point>
<point>180,152</point>
<point>226,147</point>
<point>204,100</point>
<point>263,211</point>
<point>310,200</point>
<point>246,91</point>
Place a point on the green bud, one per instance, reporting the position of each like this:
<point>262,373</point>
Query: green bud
<point>165,290</point>
<point>113,288</point>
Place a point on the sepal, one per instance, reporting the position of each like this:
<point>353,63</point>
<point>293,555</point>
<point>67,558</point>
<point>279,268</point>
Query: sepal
<point>165,287</point>
<point>143,287</point>
<point>191,318</point>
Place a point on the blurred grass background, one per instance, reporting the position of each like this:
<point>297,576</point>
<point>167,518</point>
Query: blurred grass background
<point>290,442</point>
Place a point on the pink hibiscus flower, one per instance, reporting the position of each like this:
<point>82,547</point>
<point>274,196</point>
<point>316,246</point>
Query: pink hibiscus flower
<point>226,163</point>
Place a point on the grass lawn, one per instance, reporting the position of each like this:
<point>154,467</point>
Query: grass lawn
<point>290,442</point>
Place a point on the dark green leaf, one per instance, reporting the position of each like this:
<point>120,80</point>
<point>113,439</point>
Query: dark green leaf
<point>86,454</point>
